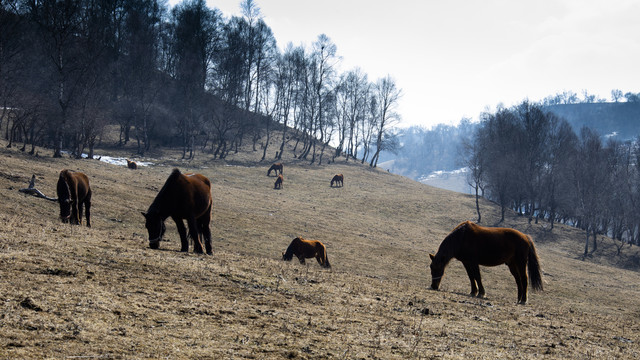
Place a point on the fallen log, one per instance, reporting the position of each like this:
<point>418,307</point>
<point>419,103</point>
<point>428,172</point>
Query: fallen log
<point>31,190</point>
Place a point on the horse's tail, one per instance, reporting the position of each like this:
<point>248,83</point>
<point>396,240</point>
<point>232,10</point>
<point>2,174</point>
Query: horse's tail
<point>325,257</point>
<point>320,247</point>
<point>535,272</point>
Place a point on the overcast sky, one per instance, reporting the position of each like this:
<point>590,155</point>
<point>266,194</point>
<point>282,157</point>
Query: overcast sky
<point>454,58</point>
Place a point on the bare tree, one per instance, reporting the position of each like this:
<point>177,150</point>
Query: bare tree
<point>59,22</point>
<point>616,95</point>
<point>288,79</point>
<point>323,73</point>
<point>12,56</point>
<point>533,140</point>
<point>473,160</point>
<point>352,96</point>
<point>557,191</point>
<point>590,181</point>
<point>195,34</point>
<point>387,97</point>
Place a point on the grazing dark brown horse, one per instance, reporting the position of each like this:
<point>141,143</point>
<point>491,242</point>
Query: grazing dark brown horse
<point>476,245</point>
<point>275,167</point>
<point>132,165</point>
<point>302,249</point>
<point>183,196</point>
<point>278,183</point>
<point>338,179</point>
<point>73,192</point>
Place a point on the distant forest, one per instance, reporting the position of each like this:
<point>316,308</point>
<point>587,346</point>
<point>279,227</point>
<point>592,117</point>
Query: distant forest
<point>422,151</point>
<point>185,77</point>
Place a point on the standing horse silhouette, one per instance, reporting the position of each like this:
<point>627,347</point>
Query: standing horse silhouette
<point>476,245</point>
<point>275,167</point>
<point>278,183</point>
<point>338,179</point>
<point>302,249</point>
<point>132,164</point>
<point>73,192</point>
<point>183,196</point>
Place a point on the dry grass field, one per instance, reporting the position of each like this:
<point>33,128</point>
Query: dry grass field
<point>73,292</point>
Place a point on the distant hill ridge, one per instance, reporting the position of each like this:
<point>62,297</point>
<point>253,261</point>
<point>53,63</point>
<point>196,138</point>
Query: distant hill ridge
<point>621,119</point>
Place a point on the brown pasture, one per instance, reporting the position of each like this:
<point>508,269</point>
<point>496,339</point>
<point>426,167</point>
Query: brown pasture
<point>76,292</point>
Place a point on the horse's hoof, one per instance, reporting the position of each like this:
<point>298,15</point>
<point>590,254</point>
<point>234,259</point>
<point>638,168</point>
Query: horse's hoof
<point>209,252</point>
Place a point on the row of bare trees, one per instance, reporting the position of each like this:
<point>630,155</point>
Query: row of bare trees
<point>186,76</point>
<point>531,161</point>
<point>570,97</point>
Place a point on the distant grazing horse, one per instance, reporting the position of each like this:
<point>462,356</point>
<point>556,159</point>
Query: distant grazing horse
<point>73,192</point>
<point>278,183</point>
<point>132,165</point>
<point>275,167</point>
<point>183,196</point>
<point>302,249</point>
<point>338,179</point>
<point>476,245</point>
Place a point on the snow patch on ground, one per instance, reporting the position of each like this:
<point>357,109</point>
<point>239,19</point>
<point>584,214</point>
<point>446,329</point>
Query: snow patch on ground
<point>455,180</point>
<point>119,161</point>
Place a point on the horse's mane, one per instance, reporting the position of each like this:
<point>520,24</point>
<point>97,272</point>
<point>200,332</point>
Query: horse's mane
<point>461,226</point>
<point>64,193</point>
<point>163,191</point>
<point>448,245</point>
<point>290,249</point>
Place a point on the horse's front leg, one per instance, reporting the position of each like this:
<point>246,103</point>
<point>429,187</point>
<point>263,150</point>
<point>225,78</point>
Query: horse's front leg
<point>301,258</point>
<point>75,219</point>
<point>473,271</point>
<point>195,235</point>
<point>184,242</point>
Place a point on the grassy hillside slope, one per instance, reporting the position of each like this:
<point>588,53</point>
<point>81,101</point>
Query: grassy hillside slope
<point>69,291</point>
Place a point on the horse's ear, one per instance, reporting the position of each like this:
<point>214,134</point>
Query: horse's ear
<point>432,257</point>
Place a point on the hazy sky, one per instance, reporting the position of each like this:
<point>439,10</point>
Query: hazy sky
<point>454,58</point>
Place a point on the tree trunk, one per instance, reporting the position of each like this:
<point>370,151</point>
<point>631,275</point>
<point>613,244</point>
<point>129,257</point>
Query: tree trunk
<point>478,205</point>
<point>586,243</point>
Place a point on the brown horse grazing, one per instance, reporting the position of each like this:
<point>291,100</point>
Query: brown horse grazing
<point>338,179</point>
<point>183,196</point>
<point>278,183</point>
<point>476,245</point>
<point>132,165</point>
<point>302,249</point>
<point>73,192</point>
<point>275,167</point>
